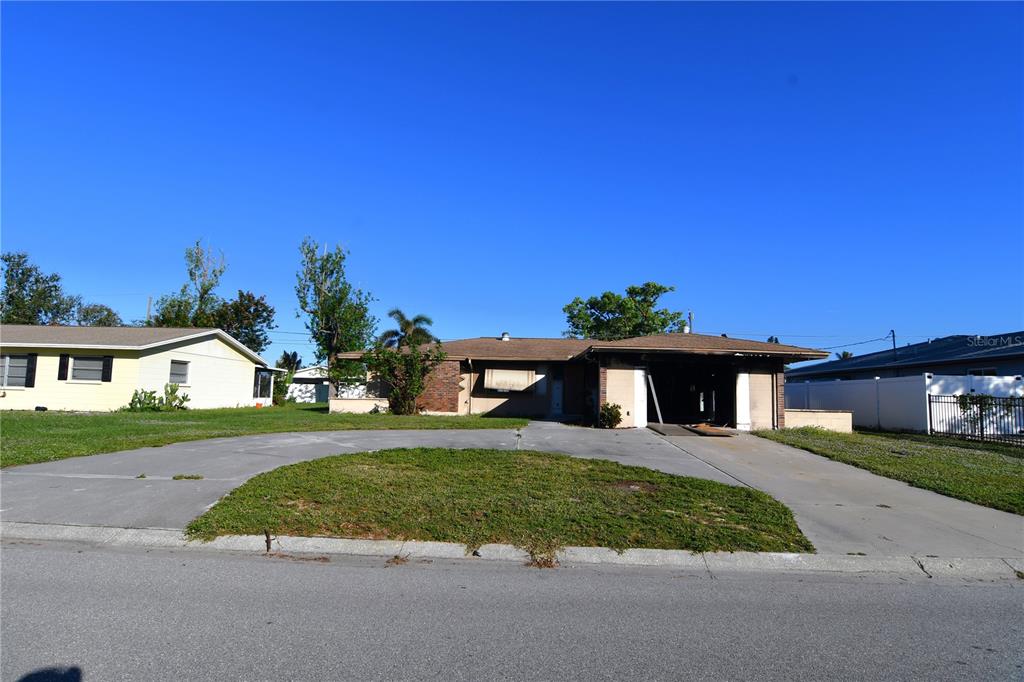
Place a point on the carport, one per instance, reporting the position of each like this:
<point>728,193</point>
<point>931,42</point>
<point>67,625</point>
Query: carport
<point>695,379</point>
<point>692,392</point>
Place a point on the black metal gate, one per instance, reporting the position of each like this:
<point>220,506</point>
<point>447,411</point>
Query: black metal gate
<point>977,417</point>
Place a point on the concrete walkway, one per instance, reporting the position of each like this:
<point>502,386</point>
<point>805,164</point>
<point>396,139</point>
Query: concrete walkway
<point>836,505</point>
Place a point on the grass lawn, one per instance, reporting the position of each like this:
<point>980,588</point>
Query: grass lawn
<point>984,473</point>
<point>29,437</point>
<point>536,501</point>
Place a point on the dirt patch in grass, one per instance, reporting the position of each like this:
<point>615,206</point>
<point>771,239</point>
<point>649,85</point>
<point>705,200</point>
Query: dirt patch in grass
<point>635,486</point>
<point>536,501</point>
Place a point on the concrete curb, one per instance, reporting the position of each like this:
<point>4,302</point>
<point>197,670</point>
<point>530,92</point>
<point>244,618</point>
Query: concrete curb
<point>985,568</point>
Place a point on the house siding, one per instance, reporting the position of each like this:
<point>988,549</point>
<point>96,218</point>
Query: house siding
<point>68,394</point>
<point>219,376</point>
<point>620,389</point>
<point>762,404</point>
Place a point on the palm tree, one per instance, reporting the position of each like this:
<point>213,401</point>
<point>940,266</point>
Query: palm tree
<point>845,355</point>
<point>289,361</point>
<point>409,332</point>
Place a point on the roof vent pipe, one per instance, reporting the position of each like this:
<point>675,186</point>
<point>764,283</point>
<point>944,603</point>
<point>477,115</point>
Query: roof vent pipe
<point>505,336</point>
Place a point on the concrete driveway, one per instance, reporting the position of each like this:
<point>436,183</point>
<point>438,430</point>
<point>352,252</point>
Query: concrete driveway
<point>839,507</point>
<point>844,509</point>
<point>104,490</point>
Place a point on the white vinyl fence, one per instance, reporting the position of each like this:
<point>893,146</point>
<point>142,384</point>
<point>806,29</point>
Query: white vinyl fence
<point>896,403</point>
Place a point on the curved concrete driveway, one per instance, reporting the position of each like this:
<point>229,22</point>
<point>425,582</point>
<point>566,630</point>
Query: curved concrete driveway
<point>103,490</point>
<point>840,508</point>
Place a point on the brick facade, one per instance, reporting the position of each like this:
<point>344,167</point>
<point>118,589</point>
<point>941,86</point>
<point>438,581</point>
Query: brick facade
<point>780,399</point>
<point>602,393</point>
<point>442,388</point>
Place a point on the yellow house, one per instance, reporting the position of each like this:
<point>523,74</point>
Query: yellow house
<point>99,368</point>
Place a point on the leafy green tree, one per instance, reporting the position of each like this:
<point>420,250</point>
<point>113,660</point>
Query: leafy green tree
<point>248,318</point>
<point>337,314</point>
<point>97,315</point>
<point>409,332</point>
<point>30,296</point>
<point>404,372</point>
<point>612,316</point>
<point>197,304</point>
<point>773,339</point>
<point>290,361</point>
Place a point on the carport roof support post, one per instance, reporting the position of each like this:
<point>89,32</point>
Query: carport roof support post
<point>743,401</point>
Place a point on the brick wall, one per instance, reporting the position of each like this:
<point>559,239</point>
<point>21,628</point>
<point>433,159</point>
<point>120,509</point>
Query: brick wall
<point>780,410</point>
<point>602,393</point>
<point>442,388</point>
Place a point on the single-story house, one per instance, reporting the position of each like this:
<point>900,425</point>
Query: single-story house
<point>99,368</point>
<point>309,385</point>
<point>965,355</point>
<point>672,378</point>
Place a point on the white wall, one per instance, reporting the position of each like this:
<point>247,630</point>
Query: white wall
<point>840,421</point>
<point>895,403</point>
<point>218,375</point>
<point>1004,387</point>
<point>640,398</point>
<point>898,403</point>
<point>307,393</point>
<point>743,401</point>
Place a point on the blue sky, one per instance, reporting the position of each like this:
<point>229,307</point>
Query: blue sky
<point>820,172</point>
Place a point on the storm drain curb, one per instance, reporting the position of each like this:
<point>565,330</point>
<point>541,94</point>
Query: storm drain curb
<point>986,568</point>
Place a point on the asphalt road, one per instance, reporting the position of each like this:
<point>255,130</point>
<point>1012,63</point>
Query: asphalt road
<point>135,614</point>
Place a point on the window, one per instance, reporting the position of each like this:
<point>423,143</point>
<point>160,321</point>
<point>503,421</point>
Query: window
<point>15,370</point>
<point>504,380</point>
<point>262,383</point>
<point>87,369</point>
<point>179,372</point>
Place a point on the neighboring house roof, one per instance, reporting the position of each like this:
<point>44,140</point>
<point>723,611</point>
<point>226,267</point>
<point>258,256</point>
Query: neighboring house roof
<point>315,372</point>
<point>113,338</point>
<point>961,348</point>
<point>490,348</point>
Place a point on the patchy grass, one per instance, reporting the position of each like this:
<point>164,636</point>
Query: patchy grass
<point>187,477</point>
<point>533,500</point>
<point>29,437</point>
<point>988,474</point>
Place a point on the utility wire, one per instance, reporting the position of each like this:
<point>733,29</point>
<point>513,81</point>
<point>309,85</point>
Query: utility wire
<point>859,343</point>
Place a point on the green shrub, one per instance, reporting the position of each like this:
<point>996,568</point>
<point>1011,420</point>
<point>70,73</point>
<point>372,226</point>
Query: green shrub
<point>147,401</point>
<point>172,399</point>
<point>610,416</point>
<point>143,401</point>
<point>281,384</point>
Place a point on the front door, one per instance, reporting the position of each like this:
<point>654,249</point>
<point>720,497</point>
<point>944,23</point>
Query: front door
<point>556,397</point>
